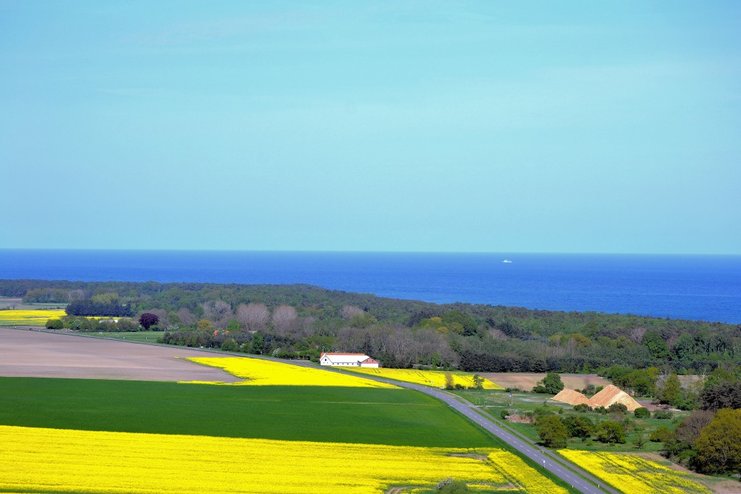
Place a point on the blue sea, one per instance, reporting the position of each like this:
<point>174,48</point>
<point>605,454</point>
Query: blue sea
<point>688,287</point>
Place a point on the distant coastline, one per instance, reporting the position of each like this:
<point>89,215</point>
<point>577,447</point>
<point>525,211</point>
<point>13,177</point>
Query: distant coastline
<point>676,286</point>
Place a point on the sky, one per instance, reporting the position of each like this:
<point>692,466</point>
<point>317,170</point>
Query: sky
<point>459,126</point>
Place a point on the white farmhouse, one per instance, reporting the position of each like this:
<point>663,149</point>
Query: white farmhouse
<point>347,360</point>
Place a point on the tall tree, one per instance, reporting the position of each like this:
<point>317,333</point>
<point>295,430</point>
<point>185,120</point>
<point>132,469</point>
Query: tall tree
<point>719,445</point>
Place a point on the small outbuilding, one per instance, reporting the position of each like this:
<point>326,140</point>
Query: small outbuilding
<point>348,360</point>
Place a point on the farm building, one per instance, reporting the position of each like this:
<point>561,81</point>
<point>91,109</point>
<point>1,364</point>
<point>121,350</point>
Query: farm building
<point>571,397</point>
<point>347,360</point>
<point>612,394</point>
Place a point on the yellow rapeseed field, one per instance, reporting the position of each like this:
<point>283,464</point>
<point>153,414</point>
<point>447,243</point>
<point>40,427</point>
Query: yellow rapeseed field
<point>258,372</point>
<point>56,460</point>
<point>631,473</point>
<point>435,379</point>
<point>32,317</point>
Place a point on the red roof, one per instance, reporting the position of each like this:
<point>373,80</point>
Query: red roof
<point>369,361</point>
<point>340,353</point>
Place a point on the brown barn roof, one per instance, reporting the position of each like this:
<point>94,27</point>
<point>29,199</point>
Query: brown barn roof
<point>571,397</point>
<point>612,394</point>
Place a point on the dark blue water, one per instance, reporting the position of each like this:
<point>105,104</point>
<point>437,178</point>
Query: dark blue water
<point>688,287</point>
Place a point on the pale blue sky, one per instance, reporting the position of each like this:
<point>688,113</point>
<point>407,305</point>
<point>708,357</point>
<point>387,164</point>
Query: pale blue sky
<point>393,126</point>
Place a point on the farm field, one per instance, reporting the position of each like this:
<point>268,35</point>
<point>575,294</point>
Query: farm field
<point>17,303</point>
<point>53,460</point>
<point>435,379</point>
<point>527,380</point>
<point>135,336</point>
<point>258,372</point>
<point>41,354</point>
<point>631,473</point>
<point>305,413</point>
<point>28,317</point>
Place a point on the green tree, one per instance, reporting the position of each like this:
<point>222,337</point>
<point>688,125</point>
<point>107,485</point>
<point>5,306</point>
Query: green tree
<point>610,431</point>
<point>257,343</point>
<point>579,426</point>
<point>656,345</point>
<point>478,382</point>
<point>457,318</point>
<point>671,391</point>
<point>552,431</point>
<point>641,413</point>
<point>550,384</point>
<point>719,445</point>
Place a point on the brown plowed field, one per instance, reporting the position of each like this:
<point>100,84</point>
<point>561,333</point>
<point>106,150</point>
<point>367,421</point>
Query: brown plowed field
<point>527,380</point>
<point>38,354</point>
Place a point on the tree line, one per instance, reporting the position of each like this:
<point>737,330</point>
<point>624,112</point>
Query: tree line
<point>302,321</point>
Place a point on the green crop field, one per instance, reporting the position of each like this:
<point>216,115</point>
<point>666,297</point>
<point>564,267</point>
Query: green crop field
<point>146,336</point>
<point>353,415</point>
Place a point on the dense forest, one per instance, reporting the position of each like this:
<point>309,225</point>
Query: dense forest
<point>300,321</point>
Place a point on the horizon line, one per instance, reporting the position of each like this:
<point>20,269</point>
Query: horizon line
<point>331,251</point>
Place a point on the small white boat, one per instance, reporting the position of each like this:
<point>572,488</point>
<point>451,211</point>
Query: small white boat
<point>506,261</point>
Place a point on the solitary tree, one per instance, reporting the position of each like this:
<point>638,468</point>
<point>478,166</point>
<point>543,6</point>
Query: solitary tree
<point>550,384</point>
<point>147,320</point>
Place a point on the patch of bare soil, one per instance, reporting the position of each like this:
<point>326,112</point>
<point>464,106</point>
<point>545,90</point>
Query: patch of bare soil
<point>28,353</point>
<point>520,419</point>
<point>526,381</point>
<point>475,456</point>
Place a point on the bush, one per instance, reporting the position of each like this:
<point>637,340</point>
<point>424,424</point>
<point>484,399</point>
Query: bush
<point>503,414</point>
<point>663,415</point>
<point>641,413</point>
<point>610,431</point>
<point>54,324</point>
<point>451,486</point>
<point>639,441</point>
<point>617,408</point>
<point>661,435</point>
<point>229,345</point>
<point>582,408</point>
